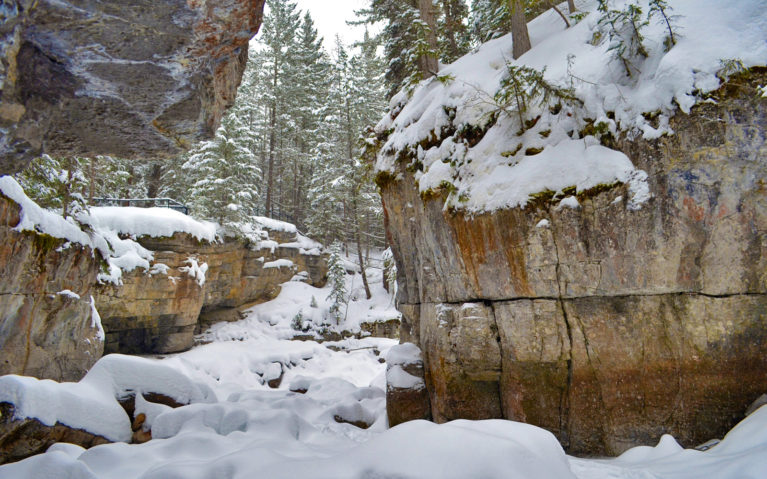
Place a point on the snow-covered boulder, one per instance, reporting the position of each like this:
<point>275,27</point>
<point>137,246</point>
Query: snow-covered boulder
<point>406,396</point>
<point>98,409</point>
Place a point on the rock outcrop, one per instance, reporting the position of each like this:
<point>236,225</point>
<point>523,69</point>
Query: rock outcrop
<point>47,327</point>
<point>406,396</point>
<point>22,438</point>
<point>606,325</point>
<point>96,78</point>
<point>157,311</point>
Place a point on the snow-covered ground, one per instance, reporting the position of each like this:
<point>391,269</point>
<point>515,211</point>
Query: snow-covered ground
<point>239,427</point>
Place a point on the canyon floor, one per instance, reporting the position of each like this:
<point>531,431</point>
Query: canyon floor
<point>327,419</point>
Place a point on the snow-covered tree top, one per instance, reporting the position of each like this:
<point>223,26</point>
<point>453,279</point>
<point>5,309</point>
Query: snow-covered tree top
<point>498,171</point>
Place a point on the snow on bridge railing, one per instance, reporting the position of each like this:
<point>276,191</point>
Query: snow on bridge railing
<point>143,203</point>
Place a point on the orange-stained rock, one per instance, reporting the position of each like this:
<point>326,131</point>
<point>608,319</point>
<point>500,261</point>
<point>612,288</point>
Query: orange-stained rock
<point>606,325</point>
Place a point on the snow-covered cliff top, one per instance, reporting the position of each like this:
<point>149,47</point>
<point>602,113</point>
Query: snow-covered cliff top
<point>505,167</point>
<point>155,222</point>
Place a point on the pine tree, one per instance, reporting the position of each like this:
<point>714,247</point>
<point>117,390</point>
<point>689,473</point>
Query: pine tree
<point>624,32</point>
<point>519,34</point>
<point>278,38</point>
<point>225,173</point>
<point>337,282</point>
<point>56,183</point>
<point>489,19</point>
<point>404,40</point>
<point>309,81</point>
<point>453,32</point>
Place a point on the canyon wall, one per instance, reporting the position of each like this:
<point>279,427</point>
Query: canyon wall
<point>606,325</point>
<point>200,282</point>
<point>146,79</point>
<point>52,305</point>
<point>47,324</point>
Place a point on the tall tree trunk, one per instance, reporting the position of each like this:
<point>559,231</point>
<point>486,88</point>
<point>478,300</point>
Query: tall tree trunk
<point>272,143</point>
<point>519,33</point>
<point>358,239</point>
<point>92,180</point>
<point>571,6</point>
<point>154,180</point>
<point>428,63</point>
<point>270,173</point>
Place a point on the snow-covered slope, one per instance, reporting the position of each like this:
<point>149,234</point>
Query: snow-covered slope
<point>432,126</point>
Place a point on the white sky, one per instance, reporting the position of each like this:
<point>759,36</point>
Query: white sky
<point>330,17</point>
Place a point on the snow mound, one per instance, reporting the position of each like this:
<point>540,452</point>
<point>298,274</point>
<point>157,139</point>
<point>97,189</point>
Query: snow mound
<point>154,222</point>
<point>511,162</point>
<point>92,403</point>
<point>404,354</point>
<point>275,225</point>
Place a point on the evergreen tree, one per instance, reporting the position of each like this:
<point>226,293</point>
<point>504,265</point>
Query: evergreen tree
<point>56,183</point>
<point>405,39</point>
<point>225,174</point>
<point>489,19</point>
<point>310,78</point>
<point>453,32</point>
<point>337,282</point>
<point>624,32</point>
<point>278,38</point>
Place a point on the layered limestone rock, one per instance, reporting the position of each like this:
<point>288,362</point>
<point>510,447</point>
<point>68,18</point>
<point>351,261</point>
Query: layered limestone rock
<point>146,79</point>
<point>606,325</point>
<point>47,328</point>
<point>157,311</point>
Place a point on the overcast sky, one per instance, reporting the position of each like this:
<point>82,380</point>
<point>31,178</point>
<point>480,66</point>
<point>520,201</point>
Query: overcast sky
<point>330,16</point>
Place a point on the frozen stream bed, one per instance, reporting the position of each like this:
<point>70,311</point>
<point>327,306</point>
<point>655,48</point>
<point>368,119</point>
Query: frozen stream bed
<point>243,428</point>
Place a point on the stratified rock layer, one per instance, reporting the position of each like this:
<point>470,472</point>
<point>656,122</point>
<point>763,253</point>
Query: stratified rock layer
<point>605,325</point>
<point>138,79</point>
<point>157,312</point>
<point>46,327</point>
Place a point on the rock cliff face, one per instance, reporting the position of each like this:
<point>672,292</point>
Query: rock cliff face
<point>157,311</point>
<point>96,78</point>
<point>47,328</point>
<point>605,325</point>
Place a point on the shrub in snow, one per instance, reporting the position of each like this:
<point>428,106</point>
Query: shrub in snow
<point>523,87</point>
<point>337,282</point>
<point>662,11</point>
<point>297,322</point>
<point>624,30</point>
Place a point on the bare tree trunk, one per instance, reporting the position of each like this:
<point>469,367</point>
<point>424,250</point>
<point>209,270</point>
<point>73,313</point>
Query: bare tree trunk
<point>519,33</point>
<point>556,9</point>
<point>92,180</point>
<point>153,182</point>
<point>571,6</point>
<point>429,64</point>
<point>358,239</point>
